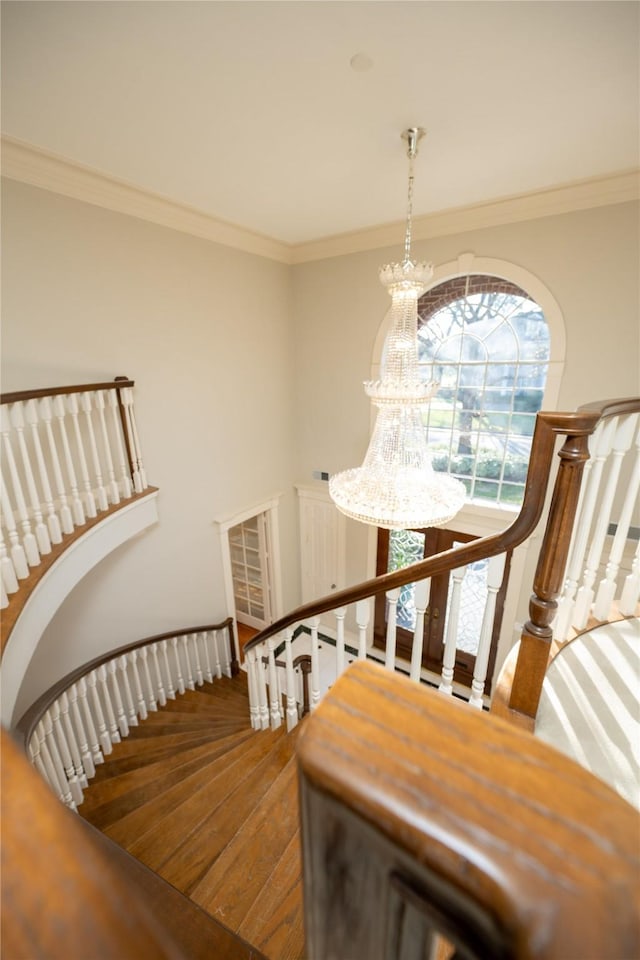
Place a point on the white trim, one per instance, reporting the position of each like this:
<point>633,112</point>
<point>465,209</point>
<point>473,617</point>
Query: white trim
<point>620,187</point>
<point>224,524</point>
<point>56,584</point>
<point>41,168</point>
<point>21,161</point>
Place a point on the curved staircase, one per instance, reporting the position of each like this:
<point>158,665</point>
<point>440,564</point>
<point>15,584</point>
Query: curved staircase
<point>211,806</point>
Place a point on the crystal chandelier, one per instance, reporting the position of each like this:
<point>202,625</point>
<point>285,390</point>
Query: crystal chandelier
<point>396,486</point>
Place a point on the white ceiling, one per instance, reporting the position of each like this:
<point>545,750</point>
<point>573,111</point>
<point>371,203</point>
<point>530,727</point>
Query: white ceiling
<point>251,112</point>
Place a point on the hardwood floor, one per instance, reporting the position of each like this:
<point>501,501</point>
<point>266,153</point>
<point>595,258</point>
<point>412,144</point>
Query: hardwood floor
<point>212,807</point>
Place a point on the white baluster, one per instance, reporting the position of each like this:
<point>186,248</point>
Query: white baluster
<point>171,690</point>
<point>7,569</point>
<point>101,493</point>
<point>225,640</point>
<point>112,486</point>
<point>71,739</point>
<point>121,716</point>
<point>292,705</point>
<point>314,623</point>
<point>51,745</point>
<point>77,508</point>
<point>89,499</point>
<point>449,659</point>
<point>123,463</point>
<point>54,772</point>
<point>130,707</point>
<point>179,679</point>
<point>621,443</point>
<point>607,586</point>
<point>139,476</point>
<point>4,596</point>
<point>262,687</point>
<point>29,542</point>
<point>41,532</point>
<point>216,655</point>
<point>363,615</point>
<point>161,695</point>
<point>273,685</point>
<point>35,752</point>
<point>340,614</point>
<point>18,556</point>
<point>137,686</point>
<point>98,714</point>
<point>53,523</point>
<point>193,644</point>
<point>187,663</point>
<point>631,588</point>
<point>254,702</point>
<point>599,445</point>
<point>46,415</point>
<point>112,725</point>
<point>392,614</point>
<point>207,659</point>
<point>495,572</point>
<point>422,592</point>
<point>89,724</point>
<point>70,775</point>
<point>83,743</point>
<point>150,698</point>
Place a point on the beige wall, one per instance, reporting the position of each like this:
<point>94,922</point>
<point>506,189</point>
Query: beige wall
<point>205,331</point>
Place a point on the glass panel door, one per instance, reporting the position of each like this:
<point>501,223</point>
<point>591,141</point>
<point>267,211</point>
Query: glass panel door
<point>248,544</point>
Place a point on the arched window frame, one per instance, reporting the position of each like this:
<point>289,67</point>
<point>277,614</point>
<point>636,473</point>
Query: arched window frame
<point>466,264</point>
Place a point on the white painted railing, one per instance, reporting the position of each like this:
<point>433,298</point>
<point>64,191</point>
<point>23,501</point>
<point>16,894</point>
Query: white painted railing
<point>68,455</point>
<point>598,581</point>
<point>330,655</point>
<point>69,731</point>
<point>602,579</point>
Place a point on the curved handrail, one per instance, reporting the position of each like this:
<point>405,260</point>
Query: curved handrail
<point>118,384</point>
<point>25,727</point>
<point>548,426</point>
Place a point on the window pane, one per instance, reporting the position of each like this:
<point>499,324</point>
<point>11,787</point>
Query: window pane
<point>489,350</point>
<point>405,547</point>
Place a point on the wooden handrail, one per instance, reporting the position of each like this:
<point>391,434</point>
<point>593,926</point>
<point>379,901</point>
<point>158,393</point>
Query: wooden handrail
<point>118,384</point>
<point>419,815</point>
<point>25,727</point>
<point>576,426</point>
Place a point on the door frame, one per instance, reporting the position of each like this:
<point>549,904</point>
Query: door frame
<point>274,567</point>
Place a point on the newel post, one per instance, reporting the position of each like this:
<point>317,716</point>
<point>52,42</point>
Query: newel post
<point>535,642</point>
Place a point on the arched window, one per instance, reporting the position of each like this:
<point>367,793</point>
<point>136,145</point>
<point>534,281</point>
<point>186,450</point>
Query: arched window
<point>487,342</point>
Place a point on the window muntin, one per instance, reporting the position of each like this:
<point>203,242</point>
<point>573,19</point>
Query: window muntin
<point>487,342</point>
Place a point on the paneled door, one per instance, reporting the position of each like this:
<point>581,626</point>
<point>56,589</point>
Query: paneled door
<point>322,544</point>
<point>250,555</point>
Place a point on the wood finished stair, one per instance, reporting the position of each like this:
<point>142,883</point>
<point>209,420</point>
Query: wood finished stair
<point>211,806</point>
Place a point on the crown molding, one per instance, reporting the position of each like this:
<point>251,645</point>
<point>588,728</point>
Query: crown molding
<point>566,198</point>
<point>29,164</point>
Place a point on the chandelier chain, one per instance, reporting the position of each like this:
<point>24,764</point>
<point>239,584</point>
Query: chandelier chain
<point>407,236</point>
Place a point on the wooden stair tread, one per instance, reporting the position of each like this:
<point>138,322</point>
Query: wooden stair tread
<point>185,828</point>
<point>124,757</point>
<point>274,923</point>
<point>144,809</point>
<point>243,868</point>
<point>110,789</point>
<point>192,859</point>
